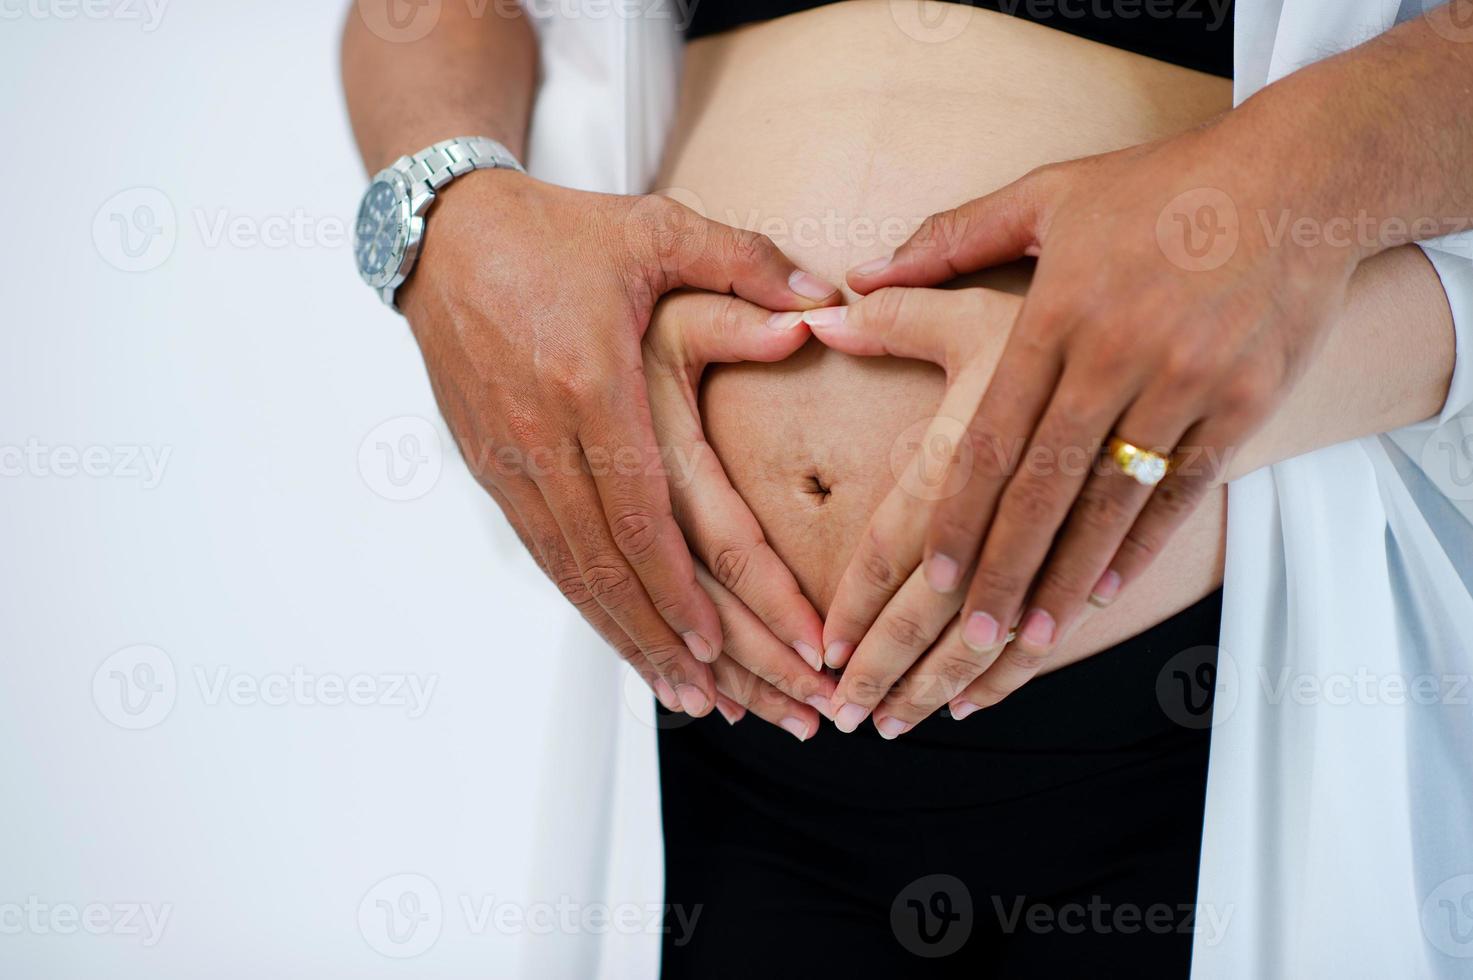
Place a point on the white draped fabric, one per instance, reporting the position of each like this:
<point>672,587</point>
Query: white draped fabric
<point>1339,827</point>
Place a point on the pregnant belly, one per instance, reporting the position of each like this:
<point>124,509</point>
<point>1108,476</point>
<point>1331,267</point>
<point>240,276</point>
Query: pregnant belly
<point>835,131</point>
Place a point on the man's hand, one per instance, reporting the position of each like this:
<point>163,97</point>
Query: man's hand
<point>1162,311</point>
<point>529,302</point>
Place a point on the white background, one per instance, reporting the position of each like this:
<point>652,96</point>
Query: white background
<point>291,407</point>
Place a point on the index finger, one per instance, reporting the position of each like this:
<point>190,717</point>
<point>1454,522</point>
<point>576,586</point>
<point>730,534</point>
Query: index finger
<point>628,473</point>
<point>989,230</point>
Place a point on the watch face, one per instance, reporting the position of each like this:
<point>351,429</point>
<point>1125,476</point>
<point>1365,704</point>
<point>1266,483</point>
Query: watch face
<point>382,231</point>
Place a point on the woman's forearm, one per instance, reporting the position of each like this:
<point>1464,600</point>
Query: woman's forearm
<point>1386,364</point>
<point>472,74</point>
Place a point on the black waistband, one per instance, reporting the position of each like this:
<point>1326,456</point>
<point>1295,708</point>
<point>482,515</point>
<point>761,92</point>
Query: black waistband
<point>1146,698</point>
<point>1193,33</point>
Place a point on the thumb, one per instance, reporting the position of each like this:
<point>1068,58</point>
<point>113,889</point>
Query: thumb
<point>943,326</point>
<point>999,227</point>
<point>681,247</point>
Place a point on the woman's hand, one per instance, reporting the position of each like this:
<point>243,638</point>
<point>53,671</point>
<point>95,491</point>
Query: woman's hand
<point>529,302</point>
<point>1166,310</point>
<point>884,621</point>
<point>756,672</point>
<point>748,581</point>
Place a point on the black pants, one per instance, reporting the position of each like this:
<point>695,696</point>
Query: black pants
<point>1054,835</point>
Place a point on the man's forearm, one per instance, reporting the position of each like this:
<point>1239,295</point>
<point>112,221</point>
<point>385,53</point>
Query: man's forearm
<point>473,74</point>
<point>1372,146</point>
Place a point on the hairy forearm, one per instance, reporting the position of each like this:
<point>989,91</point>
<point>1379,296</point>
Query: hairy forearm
<point>473,74</point>
<point>1386,364</point>
<point>1371,147</point>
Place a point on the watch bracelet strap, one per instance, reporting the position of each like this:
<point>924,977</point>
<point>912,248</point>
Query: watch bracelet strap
<point>434,167</point>
<point>437,165</point>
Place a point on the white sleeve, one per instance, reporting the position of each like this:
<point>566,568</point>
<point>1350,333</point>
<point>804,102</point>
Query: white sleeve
<point>1452,257</point>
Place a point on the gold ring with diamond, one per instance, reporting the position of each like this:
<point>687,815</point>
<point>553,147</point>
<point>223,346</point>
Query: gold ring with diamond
<point>1142,465</point>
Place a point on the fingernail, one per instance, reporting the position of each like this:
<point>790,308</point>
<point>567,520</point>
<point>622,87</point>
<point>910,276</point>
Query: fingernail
<point>691,699</point>
<point>1038,629</point>
<point>729,712</point>
<point>666,694</point>
<point>826,317</point>
<point>810,655</point>
<point>836,654</point>
<point>872,266</point>
<point>942,573</point>
<point>820,704</point>
<point>809,287</point>
<point>849,717</point>
<point>892,727</point>
<point>699,648</point>
<point>980,632</point>
<point>1105,589</point>
<point>783,322</point>
<point>796,727</point>
<point>961,709</point>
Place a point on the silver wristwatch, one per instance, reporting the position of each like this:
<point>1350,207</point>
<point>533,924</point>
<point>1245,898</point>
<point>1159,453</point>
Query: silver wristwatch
<point>391,219</point>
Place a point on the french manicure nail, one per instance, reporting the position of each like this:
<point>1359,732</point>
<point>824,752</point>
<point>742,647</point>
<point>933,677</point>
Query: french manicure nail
<point>820,704</point>
<point>836,654</point>
<point>1038,629</point>
<point>730,713</point>
<point>691,699</point>
<point>1105,589</point>
<point>666,694</point>
<point>980,632</point>
<point>848,717</point>
<point>809,287</point>
<point>961,709</point>
<point>942,573</point>
<point>826,317</point>
<point>796,727</point>
<point>698,646</point>
<point>872,266</point>
<point>783,322</point>
<point>892,727</point>
<point>809,655</point>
